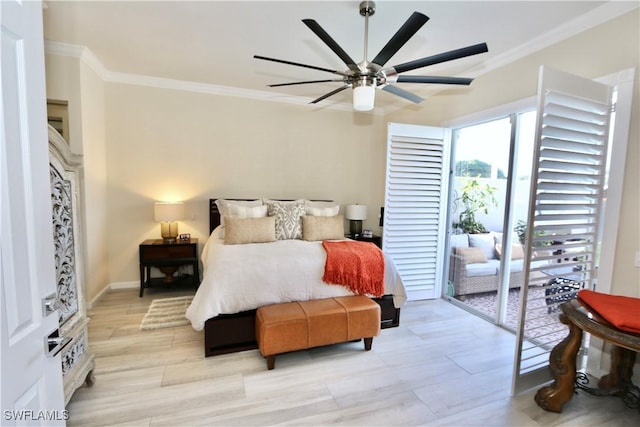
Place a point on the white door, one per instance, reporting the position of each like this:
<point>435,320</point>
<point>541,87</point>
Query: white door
<point>565,210</point>
<point>415,205</point>
<point>32,390</point>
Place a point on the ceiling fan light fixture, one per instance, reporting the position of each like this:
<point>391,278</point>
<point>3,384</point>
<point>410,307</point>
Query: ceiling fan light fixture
<point>368,75</point>
<point>364,96</point>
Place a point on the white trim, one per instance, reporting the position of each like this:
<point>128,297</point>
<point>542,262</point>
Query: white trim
<point>125,285</point>
<point>86,55</point>
<point>624,81</point>
<point>501,111</point>
<point>75,51</point>
<point>581,23</point>
<point>95,300</point>
<point>132,284</point>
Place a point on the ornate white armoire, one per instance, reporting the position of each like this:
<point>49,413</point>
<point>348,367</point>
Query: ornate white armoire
<point>66,177</point>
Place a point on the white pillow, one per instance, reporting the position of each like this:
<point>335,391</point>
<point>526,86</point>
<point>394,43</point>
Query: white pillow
<point>237,211</point>
<point>223,208</point>
<point>323,211</point>
<point>484,241</point>
<point>319,204</point>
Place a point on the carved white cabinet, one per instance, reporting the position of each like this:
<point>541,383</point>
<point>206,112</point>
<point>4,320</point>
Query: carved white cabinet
<point>66,176</point>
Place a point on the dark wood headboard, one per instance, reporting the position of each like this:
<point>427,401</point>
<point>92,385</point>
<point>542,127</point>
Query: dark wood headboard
<point>214,213</point>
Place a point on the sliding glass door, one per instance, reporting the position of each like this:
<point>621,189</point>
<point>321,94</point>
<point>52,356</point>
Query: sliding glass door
<point>491,172</point>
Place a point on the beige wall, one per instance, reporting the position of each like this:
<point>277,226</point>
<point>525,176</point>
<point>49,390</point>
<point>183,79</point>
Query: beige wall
<point>94,143</point>
<point>606,49</point>
<point>72,80</point>
<point>173,145</point>
<point>63,83</point>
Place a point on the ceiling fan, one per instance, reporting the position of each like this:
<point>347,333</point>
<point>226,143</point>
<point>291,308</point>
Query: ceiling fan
<point>366,76</point>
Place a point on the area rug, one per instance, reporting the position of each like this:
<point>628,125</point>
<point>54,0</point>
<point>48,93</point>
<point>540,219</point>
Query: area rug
<point>542,326</point>
<point>166,313</point>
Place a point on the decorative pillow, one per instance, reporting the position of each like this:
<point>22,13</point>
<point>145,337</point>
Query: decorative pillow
<point>485,242</point>
<point>459,241</point>
<point>237,211</point>
<point>249,230</point>
<point>517,251</point>
<point>320,204</point>
<point>223,208</point>
<point>472,255</point>
<point>288,217</point>
<point>323,211</point>
<point>322,227</point>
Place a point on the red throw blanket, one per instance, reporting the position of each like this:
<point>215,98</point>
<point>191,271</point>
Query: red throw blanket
<point>622,312</point>
<point>357,265</point>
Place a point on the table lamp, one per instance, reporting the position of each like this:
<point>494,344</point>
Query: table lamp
<point>355,214</point>
<point>168,213</point>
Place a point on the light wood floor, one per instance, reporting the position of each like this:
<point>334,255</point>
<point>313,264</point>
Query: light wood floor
<point>442,366</point>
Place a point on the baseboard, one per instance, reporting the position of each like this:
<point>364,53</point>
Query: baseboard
<point>126,285</point>
<point>94,301</point>
<point>134,284</point>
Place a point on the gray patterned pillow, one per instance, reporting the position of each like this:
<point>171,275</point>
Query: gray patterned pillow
<point>288,217</point>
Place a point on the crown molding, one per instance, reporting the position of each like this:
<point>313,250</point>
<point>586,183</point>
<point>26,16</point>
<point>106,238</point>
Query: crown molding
<point>597,16</point>
<point>581,23</point>
<point>211,89</point>
<point>85,55</point>
<point>76,51</point>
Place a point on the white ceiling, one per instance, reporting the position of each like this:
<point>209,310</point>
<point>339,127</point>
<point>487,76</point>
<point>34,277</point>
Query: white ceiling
<point>213,42</point>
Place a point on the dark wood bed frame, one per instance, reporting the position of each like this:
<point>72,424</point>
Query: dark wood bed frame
<point>229,333</point>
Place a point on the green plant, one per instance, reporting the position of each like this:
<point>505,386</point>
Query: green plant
<point>475,198</point>
<point>521,231</point>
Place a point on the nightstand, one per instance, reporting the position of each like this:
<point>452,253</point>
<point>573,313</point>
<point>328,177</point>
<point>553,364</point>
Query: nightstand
<point>377,240</point>
<point>167,257</point>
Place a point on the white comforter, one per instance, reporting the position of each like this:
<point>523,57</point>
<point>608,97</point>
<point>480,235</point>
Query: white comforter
<point>244,277</point>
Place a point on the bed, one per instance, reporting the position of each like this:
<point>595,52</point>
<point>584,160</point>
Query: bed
<point>228,320</point>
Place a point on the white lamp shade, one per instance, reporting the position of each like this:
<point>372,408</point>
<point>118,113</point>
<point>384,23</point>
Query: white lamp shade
<point>364,98</point>
<point>356,212</point>
<point>168,211</point>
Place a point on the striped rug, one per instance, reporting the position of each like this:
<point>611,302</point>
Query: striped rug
<point>166,313</point>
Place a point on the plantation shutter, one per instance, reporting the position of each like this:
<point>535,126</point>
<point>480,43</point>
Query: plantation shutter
<point>415,205</point>
<point>564,212</point>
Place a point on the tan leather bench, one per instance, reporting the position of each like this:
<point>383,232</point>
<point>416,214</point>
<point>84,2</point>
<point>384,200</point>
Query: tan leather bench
<point>292,326</point>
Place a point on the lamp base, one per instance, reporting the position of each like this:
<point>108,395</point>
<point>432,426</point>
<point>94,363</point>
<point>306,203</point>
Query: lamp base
<point>355,228</point>
<point>169,231</point>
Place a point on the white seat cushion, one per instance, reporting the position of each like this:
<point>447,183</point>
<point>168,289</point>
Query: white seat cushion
<point>489,268</point>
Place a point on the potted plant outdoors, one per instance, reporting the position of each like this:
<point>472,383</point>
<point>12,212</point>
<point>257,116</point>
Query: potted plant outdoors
<point>475,198</point>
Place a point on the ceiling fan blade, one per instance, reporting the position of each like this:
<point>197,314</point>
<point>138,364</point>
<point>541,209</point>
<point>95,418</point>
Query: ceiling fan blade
<point>297,64</point>
<point>402,93</point>
<point>436,59</point>
<point>304,83</point>
<point>326,95</point>
<point>435,79</point>
<point>335,47</point>
<point>408,29</point>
